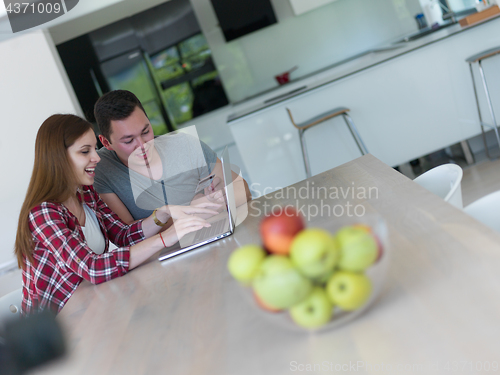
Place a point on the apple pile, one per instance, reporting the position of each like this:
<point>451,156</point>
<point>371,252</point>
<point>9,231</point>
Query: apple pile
<point>307,271</point>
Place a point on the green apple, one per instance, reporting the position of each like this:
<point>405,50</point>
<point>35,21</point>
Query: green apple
<point>323,279</point>
<point>349,290</point>
<point>279,284</point>
<point>314,311</point>
<point>314,252</point>
<point>358,249</point>
<point>244,262</point>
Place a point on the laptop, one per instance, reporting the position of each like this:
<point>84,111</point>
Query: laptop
<point>222,224</point>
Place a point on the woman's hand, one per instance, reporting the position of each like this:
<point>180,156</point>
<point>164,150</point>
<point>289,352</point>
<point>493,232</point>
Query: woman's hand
<point>150,226</point>
<point>143,250</point>
<point>181,227</point>
<point>178,212</point>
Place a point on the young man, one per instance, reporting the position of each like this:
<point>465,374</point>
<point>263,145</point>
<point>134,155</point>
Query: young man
<point>138,173</point>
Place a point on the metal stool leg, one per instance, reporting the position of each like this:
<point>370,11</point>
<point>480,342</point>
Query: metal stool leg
<point>326,116</point>
<point>469,158</point>
<point>479,112</point>
<point>304,153</point>
<point>490,105</point>
<point>355,134</point>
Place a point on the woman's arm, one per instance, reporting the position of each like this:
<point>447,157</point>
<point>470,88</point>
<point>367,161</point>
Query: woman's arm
<point>145,249</point>
<point>51,227</point>
<point>59,234</point>
<point>127,235</point>
<point>164,213</point>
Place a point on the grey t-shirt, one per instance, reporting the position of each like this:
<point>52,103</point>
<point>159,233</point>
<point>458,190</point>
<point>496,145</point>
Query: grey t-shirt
<point>185,160</point>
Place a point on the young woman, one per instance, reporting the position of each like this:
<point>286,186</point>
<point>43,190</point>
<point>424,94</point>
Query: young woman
<point>64,227</point>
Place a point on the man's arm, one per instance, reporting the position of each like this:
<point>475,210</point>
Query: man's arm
<point>116,205</point>
<point>240,180</point>
<point>241,190</point>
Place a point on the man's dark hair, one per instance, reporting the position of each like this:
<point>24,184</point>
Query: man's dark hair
<point>114,105</point>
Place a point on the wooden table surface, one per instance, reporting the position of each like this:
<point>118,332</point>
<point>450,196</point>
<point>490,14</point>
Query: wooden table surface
<point>439,311</point>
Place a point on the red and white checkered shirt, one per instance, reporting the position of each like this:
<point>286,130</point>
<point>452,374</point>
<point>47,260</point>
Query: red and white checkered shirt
<point>62,258</point>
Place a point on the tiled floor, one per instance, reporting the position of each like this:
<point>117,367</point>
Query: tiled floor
<point>480,179</point>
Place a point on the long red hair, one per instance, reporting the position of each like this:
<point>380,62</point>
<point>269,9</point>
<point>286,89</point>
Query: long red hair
<point>53,178</point>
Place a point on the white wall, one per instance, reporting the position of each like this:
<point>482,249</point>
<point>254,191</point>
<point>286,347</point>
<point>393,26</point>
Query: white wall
<point>459,5</point>
<point>33,86</point>
<point>311,41</point>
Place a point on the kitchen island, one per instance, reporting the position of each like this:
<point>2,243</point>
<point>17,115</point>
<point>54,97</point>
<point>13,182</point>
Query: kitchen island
<point>407,99</point>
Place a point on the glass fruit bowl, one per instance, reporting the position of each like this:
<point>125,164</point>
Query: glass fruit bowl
<point>375,273</point>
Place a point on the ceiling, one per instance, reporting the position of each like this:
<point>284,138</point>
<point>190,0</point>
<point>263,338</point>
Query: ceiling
<point>88,15</point>
<point>96,15</point>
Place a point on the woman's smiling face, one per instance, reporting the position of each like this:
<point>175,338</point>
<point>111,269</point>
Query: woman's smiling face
<point>84,157</point>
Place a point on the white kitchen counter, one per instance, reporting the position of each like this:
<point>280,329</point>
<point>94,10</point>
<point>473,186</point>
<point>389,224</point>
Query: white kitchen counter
<point>406,102</point>
<point>345,68</point>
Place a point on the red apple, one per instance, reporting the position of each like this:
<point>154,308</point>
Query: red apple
<point>278,230</point>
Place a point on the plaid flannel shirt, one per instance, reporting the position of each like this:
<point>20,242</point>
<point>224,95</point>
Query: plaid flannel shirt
<point>62,258</point>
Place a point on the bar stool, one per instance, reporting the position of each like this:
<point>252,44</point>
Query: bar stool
<point>478,58</point>
<point>340,111</point>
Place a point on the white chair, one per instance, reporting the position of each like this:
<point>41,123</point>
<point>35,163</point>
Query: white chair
<point>10,304</point>
<point>444,181</point>
<point>486,210</point>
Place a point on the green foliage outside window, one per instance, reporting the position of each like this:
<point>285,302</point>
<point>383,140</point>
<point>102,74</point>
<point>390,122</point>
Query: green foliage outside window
<point>179,101</point>
<point>136,79</point>
<point>174,62</point>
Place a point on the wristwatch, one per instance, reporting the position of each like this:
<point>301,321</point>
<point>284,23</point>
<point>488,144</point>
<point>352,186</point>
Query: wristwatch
<point>157,222</point>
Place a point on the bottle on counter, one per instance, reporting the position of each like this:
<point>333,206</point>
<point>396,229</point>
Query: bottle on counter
<point>432,11</point>
<point>421,22</point>
<point>481,5</point>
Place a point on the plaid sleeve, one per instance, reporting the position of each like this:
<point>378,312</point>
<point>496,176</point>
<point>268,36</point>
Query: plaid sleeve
<point>51,227</point>
<point>119,233</point>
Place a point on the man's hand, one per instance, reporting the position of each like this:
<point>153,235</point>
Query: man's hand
<point>215,192</point>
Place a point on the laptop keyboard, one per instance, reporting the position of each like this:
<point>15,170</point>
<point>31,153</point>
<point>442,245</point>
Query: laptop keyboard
<point>210,232</point>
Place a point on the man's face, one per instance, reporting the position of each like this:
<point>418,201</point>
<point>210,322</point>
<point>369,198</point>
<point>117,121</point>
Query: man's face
<point>131,138</point>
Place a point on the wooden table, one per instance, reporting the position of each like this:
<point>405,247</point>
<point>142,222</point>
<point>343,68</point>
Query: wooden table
<point>439,310</point>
